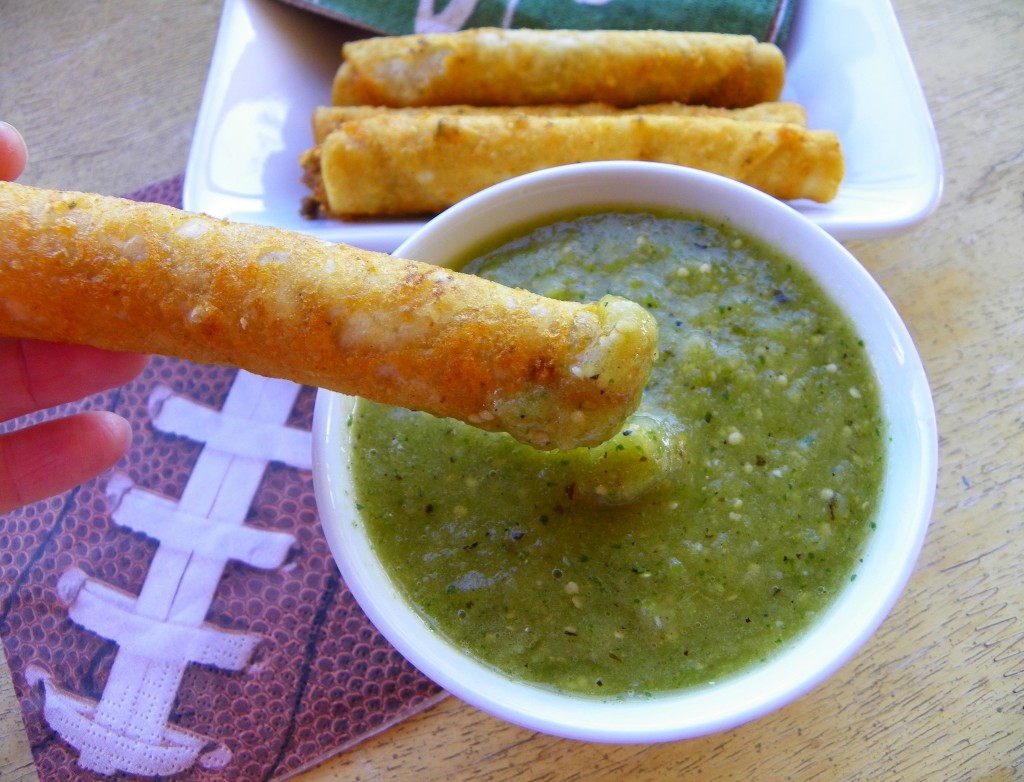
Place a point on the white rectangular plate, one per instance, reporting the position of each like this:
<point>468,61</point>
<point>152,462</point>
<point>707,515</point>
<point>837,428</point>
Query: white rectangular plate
<point>273,64</point>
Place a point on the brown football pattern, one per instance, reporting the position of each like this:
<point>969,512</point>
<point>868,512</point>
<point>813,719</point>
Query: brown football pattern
<point>233,652</point>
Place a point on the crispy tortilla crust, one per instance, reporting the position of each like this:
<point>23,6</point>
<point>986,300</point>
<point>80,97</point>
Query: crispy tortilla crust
<point>327,119</point>
<point>495,67</point>
<point>121,275</point>
<point>330,118</point>
<point>391,164</point>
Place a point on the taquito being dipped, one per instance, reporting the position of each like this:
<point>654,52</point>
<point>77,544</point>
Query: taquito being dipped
<point>416,163</point>
<point>495,67</point>
<point>121,275</point>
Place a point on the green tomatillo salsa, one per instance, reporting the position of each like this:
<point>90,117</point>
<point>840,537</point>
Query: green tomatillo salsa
<point>725,516</point>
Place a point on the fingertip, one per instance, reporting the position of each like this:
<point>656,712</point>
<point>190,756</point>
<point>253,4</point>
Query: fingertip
<point>41,461</point>
<point>115,431</point>
<point>13,152</point>
<point>135,363</point>
<point>116,367</point>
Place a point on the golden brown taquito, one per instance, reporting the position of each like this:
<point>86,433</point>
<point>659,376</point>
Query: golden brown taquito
<point>391,164</point>
<point>330,118</point>
<point>495,67</point>
<point>90,269</point>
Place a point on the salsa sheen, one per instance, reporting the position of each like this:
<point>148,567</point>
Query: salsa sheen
<point>706,535</point>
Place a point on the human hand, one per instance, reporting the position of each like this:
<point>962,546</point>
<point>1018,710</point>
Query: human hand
<point>39,461</point>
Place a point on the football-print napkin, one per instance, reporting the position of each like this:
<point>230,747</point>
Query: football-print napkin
<point>767,20</point>
<point>181,616</point>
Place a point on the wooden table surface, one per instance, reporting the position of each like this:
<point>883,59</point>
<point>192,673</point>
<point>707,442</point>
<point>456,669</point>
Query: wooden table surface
<point>106,94</point>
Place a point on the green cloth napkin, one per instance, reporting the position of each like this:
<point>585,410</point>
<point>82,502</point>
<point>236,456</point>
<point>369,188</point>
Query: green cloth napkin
<point>767,20</point>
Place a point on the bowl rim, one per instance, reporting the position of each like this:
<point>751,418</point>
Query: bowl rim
<point>804,662</point>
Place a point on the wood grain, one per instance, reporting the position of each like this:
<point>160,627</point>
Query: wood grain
<point>938,693</point>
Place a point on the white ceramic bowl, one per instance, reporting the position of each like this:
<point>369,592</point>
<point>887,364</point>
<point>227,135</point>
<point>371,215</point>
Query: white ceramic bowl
<point>903,515</point>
